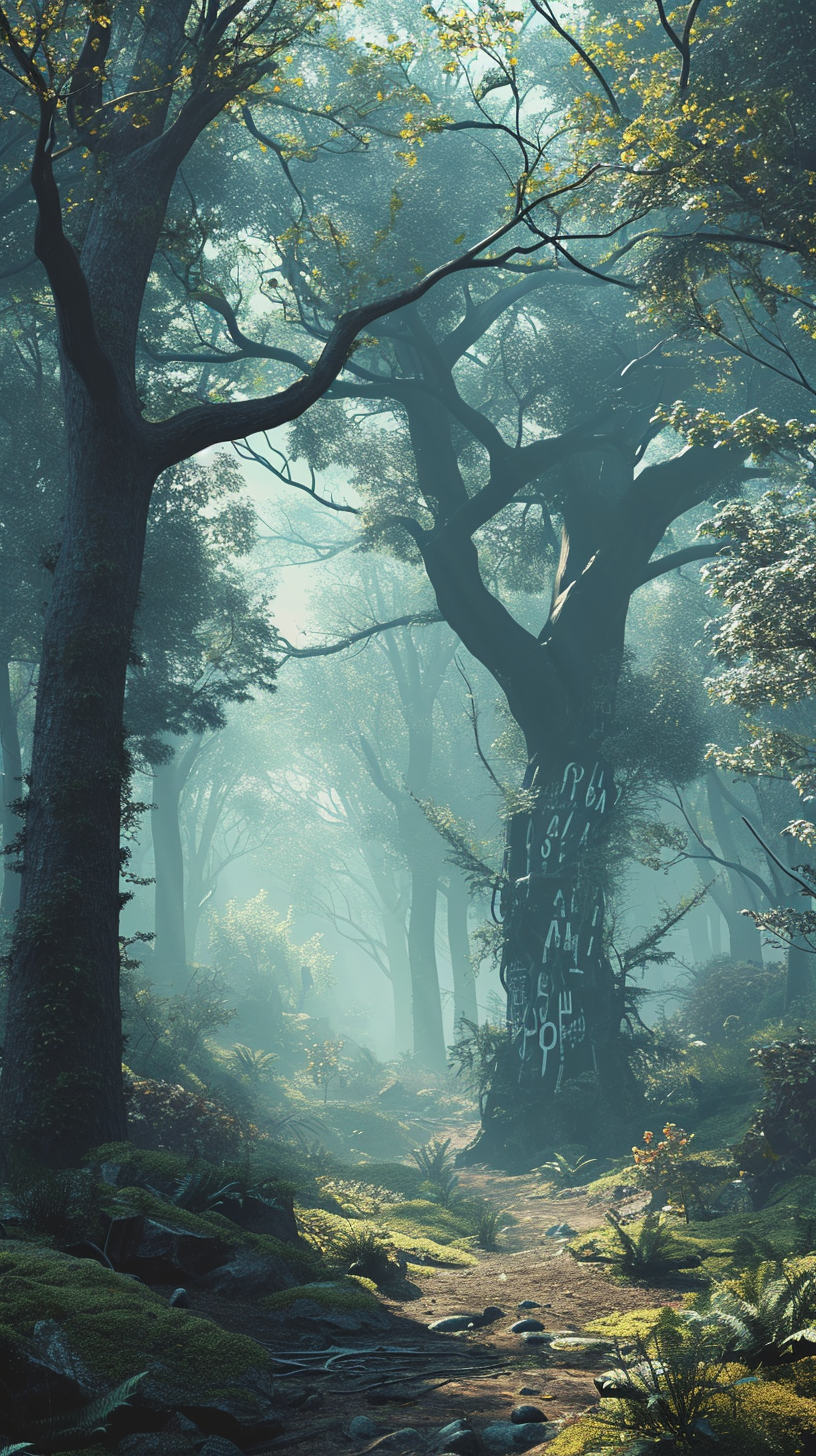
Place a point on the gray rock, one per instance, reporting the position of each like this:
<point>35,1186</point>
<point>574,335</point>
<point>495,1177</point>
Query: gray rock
<point>526,1326</point>
<point>505,1436</point>
<point>521,1414</point>
<point>248,1276</point>
<point>560,1231</point>
<point>736,1198</point>
<point>219,1446</point>
<point>450,1430</point>
<point>49,1350</point>
<point>452,1323</point>
<point>528,1304</point>
<point>179,1299</point>
<point>406,1439</point>
<point>529,1390</point>
<point>457,1439</point>
<point>164,1248</point>
<point>362,1427</point>
<point>537,1337</point>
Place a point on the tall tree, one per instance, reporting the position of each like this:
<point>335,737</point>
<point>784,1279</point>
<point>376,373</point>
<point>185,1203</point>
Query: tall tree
<point>133,94</point>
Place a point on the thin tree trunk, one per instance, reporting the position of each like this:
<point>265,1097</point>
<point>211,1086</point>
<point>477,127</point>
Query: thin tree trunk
<point>464,977</point>
<point>61,1090</point>
<point>169,946</point>
<point>396,948</point>
<point>12,790</point>
<point>746,942</point>
<point>429,1039</point>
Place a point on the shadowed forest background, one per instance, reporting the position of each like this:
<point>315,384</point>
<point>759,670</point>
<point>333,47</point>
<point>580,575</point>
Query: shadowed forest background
<point>407,649</point>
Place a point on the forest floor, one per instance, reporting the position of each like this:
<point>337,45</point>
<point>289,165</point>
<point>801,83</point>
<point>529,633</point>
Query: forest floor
<point>478,1374</point>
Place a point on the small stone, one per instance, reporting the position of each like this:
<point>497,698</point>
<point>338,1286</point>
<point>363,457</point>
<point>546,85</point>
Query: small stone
<point>451,1323</point>
<point>521,1414</point>
<point>406,1439</point>
<point>363,1426</point>
<point>525,1326</point>
<point>179,1299</point>
<point>464,1443</point>
<point>559,1231</point>
<point>505,1436</point>
<point>534,1337</point>
<point>529,1390</point>
<point>457,1439</point>
<point>528,1304</point>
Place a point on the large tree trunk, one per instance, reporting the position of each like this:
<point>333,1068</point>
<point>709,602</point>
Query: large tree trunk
<point>61,1090</point>
<point>464,978</point>
<point>429,1038</point>
<point>12,789</point>
<point>564,1009</point>
<point>169,945</point>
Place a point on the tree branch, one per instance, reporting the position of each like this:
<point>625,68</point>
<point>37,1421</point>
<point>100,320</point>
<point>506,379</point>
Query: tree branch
<point>411,619</point>
<point>69,285</point>
<point>545,10</point>
<point>699,552</point>
<point>198,428</point>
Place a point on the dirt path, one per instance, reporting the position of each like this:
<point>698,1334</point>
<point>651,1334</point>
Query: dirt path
<point>506,1371</point>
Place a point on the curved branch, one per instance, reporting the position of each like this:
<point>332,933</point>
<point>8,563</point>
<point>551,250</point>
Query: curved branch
<point>664,564</point>
<point>201,426</point>
<point>411,619</point>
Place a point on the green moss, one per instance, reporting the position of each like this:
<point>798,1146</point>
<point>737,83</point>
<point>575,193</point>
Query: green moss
<point>116,1326</point>
<point>300,1258</point>
<point>398,1177</point>
<point>635,1324</point>
<point>432,1221</point>
<point>346,1294</point>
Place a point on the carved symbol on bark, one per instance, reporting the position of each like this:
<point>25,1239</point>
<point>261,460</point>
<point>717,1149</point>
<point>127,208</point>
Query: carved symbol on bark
<point>576,771</point>
<point>546,1043</point>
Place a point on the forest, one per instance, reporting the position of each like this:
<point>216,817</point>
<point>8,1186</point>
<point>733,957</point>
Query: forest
<point>407,746</point>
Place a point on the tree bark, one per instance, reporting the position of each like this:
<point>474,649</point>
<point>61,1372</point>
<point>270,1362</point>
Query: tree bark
<point>464,977</point>
<point>169,945</point>
<point>61,1090</point>
<point>12,789</point>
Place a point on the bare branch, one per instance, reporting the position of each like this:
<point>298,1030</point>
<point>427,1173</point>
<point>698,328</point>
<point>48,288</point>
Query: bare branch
<point>411,619</point>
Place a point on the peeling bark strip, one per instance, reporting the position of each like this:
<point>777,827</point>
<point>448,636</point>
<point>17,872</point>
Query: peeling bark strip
<point>554,969</point>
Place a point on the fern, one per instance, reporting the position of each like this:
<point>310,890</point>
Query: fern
<point>91,1417</point>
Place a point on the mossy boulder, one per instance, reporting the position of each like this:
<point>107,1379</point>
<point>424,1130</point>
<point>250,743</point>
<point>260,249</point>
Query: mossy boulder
<point>96,1329</point>
<point>344,1304</point>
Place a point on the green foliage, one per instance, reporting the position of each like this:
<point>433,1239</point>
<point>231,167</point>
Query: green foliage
<point>252,1066</point>
<point>63,1204</point>
<point>94,1416</point>
<point>723,990</point>
<point>325,1063</point>
<point>759,1314</point>
<point>252,950</point>
<point>166,1117</point>
<point>434,1160</point>
<point>782,1137</point>
<point>565,1169</point>
<point>479,1055</point>
<point>362,1251</point>
<point>672,1388</point>
<point>487,1220</point>
<point>649,1250</point>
